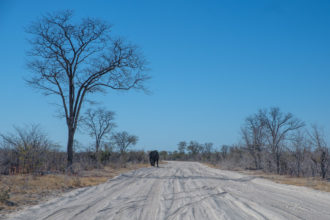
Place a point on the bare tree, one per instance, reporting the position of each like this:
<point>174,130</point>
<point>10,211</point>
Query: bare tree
<point>182,145</point>
<point>321,154</point>
<point>123,140</point>
<point>299,150</point>
<point>254,137</point>
<point>278,126</point>
<point>194,148</point>
<point>29,147</point>
<point>72,60</point>
<point>224,151</point>
<point>99,123</point>
<point>207,149</point>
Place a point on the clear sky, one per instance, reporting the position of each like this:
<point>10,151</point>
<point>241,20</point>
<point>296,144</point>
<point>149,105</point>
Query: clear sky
<point>213,64</point>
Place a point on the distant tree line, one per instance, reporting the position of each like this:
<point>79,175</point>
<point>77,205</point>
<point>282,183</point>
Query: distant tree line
<point>271,141</point>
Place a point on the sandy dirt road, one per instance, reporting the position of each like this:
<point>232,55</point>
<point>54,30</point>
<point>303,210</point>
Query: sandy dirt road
<point>185,190</point>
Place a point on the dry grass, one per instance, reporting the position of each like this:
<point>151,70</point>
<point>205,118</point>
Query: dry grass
<point>310,182</point>
<point>30,190</point>
<point>211,165</point>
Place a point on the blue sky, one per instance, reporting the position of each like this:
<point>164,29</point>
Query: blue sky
<point>213,63</point>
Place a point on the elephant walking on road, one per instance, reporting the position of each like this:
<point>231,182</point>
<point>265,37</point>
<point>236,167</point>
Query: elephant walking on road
<point>153,157</point>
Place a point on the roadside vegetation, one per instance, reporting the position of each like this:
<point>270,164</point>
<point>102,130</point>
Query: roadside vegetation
<point>274,144</point>
<point>33,168</point>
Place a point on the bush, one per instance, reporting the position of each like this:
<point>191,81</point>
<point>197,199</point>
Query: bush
<point>4,195</point>
<point>26,150</point>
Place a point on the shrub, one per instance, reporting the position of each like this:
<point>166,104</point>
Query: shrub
<point>26,151</point>
<point>4,195</point>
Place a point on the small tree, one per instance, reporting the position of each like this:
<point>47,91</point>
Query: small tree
<point>253,134</point>
<point>163,155</point>
<point>194,148</point>
<point>299,150</point>
<point>321,152</point>
<point>182,145</point>
<point>207,149</point>
<point>123,141</point>
<point>27,149</point>
<point>72,60</point>
<point>99,123</point>
<point>224,151</point>
<point>278,126</point>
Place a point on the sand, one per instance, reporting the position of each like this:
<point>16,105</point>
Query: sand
<point>184,190</point>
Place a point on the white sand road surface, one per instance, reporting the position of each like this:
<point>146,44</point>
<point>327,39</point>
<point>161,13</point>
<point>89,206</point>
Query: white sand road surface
<point>184,190</point>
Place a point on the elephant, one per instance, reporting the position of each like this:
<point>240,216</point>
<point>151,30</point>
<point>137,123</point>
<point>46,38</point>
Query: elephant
<point>153,157</point>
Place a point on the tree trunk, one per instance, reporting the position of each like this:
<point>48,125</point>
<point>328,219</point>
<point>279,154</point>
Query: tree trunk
<point>298,168</point>
<point>98,154</point>
<point>323,165</point>
<point>278,164</point>
<point>97,145</point>
<point>70,147</point>
<point>259,160</point>
<point>255,160</point>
